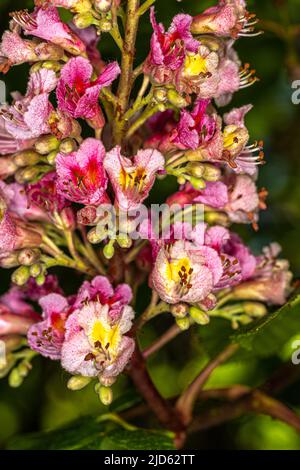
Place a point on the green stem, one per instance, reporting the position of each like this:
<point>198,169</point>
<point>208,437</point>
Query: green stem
<point>148,113</point>
<point>145,7</point>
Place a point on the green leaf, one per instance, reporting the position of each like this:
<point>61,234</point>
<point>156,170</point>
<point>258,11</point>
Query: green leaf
<point>267,337</point>
<point>90,433</point>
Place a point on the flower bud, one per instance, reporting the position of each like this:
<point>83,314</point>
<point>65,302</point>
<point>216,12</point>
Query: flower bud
<point>41,279</point>
<point>180,310</point>
<point>31,173</point>
<point>15,380</point>
<point>87,216</point>
<point>27,158</point>
<point>255,309</point>
<point>200,317</point>
<point>197,183</point>
<point>109,250</point>
<point>183,323</point>
<point>51,158</point>
<point>9,261</point>
<point>78,382</point>
<point>105,395</point>
<point>36,270</point>
<point>46,144</point>
<point>83,20</point>
<point>216,218</point>
<point>51,65</point>
<point>211,173</point>
<point>160,95</point>
<point>7,167</point>
<point>103,5</point>
<point>196,169</point>
<point>176,99</point>
<point>21,276</point>
<point>29,256</point>
<point>105,26</point>
<point>124,241</point>
<point>68,146</point>
<point>97,235</point>
<point>23,369</point>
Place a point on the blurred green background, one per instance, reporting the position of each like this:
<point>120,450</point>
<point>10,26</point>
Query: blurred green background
<point>43,402</point>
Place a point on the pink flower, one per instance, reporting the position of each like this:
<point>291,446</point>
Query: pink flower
<point>78,6</point>
<point>244,200</point>
<point>80,175</point>
<point>11,324</point>
<point>10,145</point>
<point>240,156</point>
<point>229,18</point>
<point>77,94</point>
<point>45,23</point>
<point>43,195</point>
<point>133,180</point>
<point>95,342</point>
<point>47,336</point>
<point>101,290</point>
<point>169,49</point>
<point>271,281</point>
<point>27,117</point>
<point>15,233</point>
<point>183,273</point>
<point>91,40</point>
<point>15,50</point>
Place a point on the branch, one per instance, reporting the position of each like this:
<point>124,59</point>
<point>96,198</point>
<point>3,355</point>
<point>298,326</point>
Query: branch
<point>125,83</point>
<point>162,341</point>
<point>164,411</point>
<point>186,402</point>
<point>256,402</point>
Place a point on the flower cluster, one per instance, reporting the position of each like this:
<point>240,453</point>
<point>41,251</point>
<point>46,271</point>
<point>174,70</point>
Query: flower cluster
<point>77,142</point>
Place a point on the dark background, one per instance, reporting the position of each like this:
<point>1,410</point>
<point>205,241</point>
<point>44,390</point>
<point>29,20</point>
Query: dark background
<point>43,402</point>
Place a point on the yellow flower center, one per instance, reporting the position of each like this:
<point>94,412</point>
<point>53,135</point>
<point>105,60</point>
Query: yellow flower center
<point>106,337</point>
<point>180,272</point>
<point>133,180</point>
<point>194,65</point>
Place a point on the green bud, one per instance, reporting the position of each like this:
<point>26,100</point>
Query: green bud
<point>36,270</point>
<point>68,146</point>
<point>21,276</point>
<point>31,173</point>
<point>27,158</point>
<point>23,369</point>
<point>78,382</point>
<point>41,279</point>
<point>83,20</point>
<point>196,169</point>
<point>215,218</point>
<point>124,241</point>
<point>181,180</point>
<point>51,65</point>
<point>106,26</point>
<point>29,256</point>
<point>109,250</point>
<point>97,235</point>
<point>15,380</point>
<point>51,157</point>
<point>105,395</point>
<point>176,99</point>
<point>199,316</point>
<point>197,183</point>
<point>46,144</point>
<point>9,261</point>
<point>211,173</point>
<point>160,95</point>
<point>255,309</point>
<point>183,323</point>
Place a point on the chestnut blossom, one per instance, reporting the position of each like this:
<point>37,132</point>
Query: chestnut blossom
<point>78,94</point>
<point>183,273</point>
<point>47,336</point>
<point>169,49</point>
<point>229,18</point>
<point>45,23</point>
<point>132,179</point>
<point>9,144</point>
<point>96,344</point>
<point>27,117</point>
<point>15,50</point>
<point>80,175</point>
<point>271,282</point>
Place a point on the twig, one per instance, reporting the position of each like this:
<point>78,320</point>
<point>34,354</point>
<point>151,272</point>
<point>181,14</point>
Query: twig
<point>186,402</point>
<point>172,333</point>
